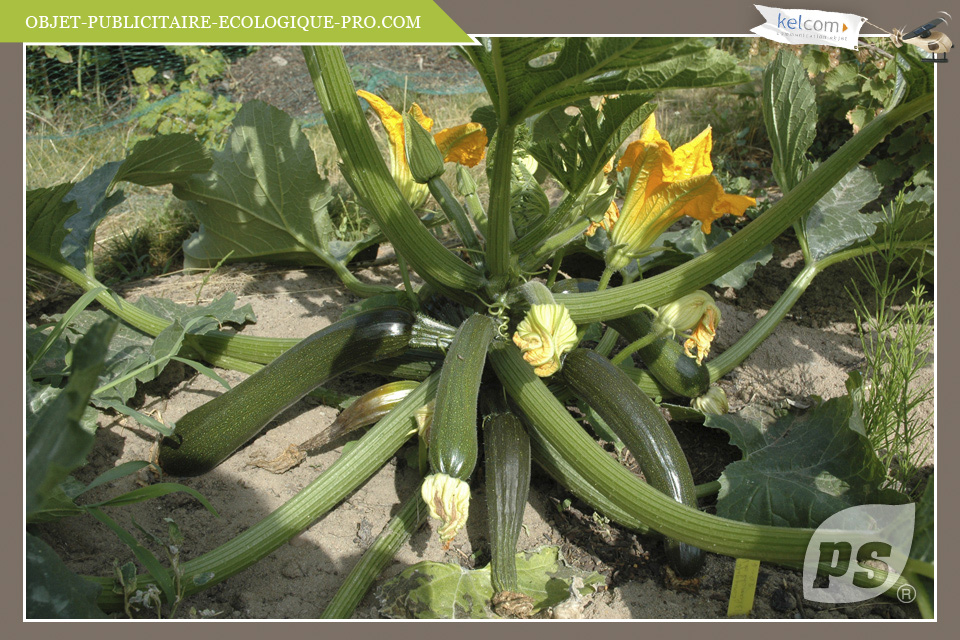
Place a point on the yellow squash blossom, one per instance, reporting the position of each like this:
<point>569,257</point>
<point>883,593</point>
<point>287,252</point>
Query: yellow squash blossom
<point>596,189</point>
<point>465,144</point>
<point>666,184</point>
<point>448,500</point>
<point>544,335</point>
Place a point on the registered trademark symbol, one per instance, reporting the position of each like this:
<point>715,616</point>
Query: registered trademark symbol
<point>906,594</point>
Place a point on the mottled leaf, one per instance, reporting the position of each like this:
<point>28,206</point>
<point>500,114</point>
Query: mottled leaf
<point>693,242</point>
<point>526,76</point>
<point>438,590</point>
<point>52,590</point>
<point>94,203</point>
<point>835,222</point>
<point>799,468</point>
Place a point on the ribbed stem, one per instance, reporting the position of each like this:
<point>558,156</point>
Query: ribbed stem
<point>411,517</point>
<point>458,218</point>
<point>346,474</point>
<point>499,230</point>
<point>368,173</point>
<point>663,288</point>
<point>553,244</point>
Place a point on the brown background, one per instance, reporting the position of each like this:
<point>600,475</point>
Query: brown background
<point>526,17</point>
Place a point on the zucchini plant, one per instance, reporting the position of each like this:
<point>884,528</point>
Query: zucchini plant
<point>492,320</point>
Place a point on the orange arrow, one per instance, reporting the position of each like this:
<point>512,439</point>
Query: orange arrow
<point>844,27</point>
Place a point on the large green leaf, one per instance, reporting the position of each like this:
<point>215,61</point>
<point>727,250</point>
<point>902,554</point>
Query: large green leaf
<point>168,159</point>
<point>797,469</point>
<point>574,148</point>
<point>57,441</point>
<point>526,76</point>
<point>835,222</point>
<point>790,116</point>
<point>46,214</point>
<point>52,590</point>
<point>94,200</point>
<point>263,199</point>
<point>438,590</point>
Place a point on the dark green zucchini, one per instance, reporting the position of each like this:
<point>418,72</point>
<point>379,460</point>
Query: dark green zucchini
<point>638,422</point>
<point>206,436</point>
<point>453,432</point>
<point>506,448</point>
<point>664,357</point>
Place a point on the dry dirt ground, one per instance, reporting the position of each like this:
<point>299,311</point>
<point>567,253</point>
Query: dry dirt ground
<point>298,580</point>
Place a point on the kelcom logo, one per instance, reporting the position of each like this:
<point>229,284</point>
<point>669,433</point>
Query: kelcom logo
<point>799,24</point>
<point>833,567</point>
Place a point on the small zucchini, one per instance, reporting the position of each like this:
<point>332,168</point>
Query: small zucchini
<point>506,448</point>
<point>638,422</point>
<point>206,436</point>
<point>453,432</point>
<point>678,373</point>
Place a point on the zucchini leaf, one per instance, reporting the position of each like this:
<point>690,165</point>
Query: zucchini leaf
<point>835,222</point>
<point>439,590</point>
<point>59,431</point>
<point>693,242</point>
<point>790,116</point>
<point>52,590</point>
<point>799,468</point>
<point>263,199</point>
<point>46,214</point>
<point>575,148</point>
<point>526,76</point>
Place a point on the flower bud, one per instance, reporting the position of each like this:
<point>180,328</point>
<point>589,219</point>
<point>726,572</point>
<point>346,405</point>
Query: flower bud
<point>449,501</point>
<point>713,402</point>
<point>697,313</point>
<point>423,155</point>
<point>544,335</point>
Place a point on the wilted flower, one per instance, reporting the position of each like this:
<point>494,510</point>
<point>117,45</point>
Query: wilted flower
<point>544,335</point>
<point>666,184</point>
<point>713,402</point>
<point>448,499</point>
<point>465,144</point>
<point>697,313</point>
<point>596,189</point>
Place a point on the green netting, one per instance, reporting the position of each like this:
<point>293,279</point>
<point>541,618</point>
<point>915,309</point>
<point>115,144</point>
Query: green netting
<point>108,77</point>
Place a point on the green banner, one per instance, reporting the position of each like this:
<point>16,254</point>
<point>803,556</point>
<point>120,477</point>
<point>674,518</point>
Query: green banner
<point>239,22</point>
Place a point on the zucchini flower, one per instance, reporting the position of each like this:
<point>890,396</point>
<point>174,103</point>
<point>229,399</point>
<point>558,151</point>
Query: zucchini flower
<point>713,402</point>
<point>665,185</point>
<point>697,313</point>
<point>449,501</point>
<point>465,144</point>
<point>544,335</point>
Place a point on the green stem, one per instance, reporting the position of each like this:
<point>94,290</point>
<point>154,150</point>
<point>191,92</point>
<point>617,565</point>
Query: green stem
<point>354,284</point>
<point>365,170</point>
<point>708,489</point>
<point>605,279</point>
<point>407,285</point>
<point>607,342</point>
<point>546,227</point>
<point>346,474</point>
<point>551,421</point>
<point>555,267</point>
<point>499,228</point>
<point>692,275</point>
<point>458,218</point>
<point>633,347</point>
<point>553,244</point>
<point>741,350</point>
<point>411,517</point>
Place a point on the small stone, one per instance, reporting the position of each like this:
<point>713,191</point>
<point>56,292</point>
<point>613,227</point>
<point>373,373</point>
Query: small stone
<point>782,601</point>
<point>280,61</point>
<point>292,570</point>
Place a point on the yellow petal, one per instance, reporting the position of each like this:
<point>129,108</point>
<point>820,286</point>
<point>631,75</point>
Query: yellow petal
<point>692,159</point>
<point>390,118</point>
<point>648,130</point>
<point>610,217</point>
<point>712,203</point>
<point>465,144</point>
<point>421,117</point>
